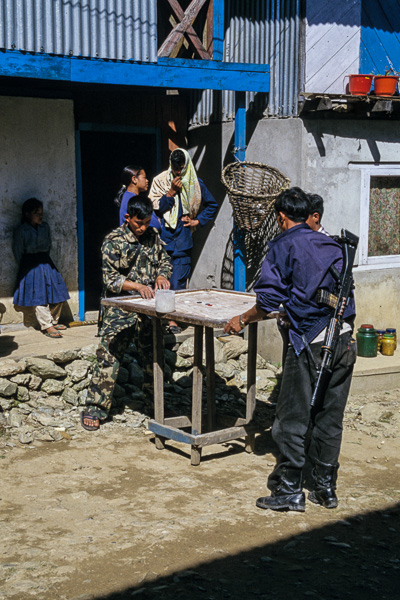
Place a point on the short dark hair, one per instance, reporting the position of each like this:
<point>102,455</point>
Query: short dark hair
<point>140,207</point>
<point>294,204</point>
<point>178,159</point>
<point>316,204</point>
<point>30,206</point>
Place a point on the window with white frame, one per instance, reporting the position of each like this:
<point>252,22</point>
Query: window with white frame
<point>380,215</point>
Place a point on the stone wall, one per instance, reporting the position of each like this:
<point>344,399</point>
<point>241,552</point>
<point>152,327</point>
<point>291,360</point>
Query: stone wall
<point>41,398</point>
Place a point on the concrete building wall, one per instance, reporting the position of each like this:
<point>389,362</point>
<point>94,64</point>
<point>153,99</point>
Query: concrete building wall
<point>316,155</point>
<point>37,158</point>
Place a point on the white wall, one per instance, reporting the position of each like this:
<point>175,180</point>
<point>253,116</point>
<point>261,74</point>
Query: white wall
<point>332,44</point>
<point>37,158</point>
<point>315,155</point>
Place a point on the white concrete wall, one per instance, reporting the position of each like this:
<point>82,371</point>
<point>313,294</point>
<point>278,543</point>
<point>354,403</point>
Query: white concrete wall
<point>37,158</point>
<point>315,155</point>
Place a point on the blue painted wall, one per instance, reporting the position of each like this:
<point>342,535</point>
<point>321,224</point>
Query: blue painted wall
<point>380,36</point>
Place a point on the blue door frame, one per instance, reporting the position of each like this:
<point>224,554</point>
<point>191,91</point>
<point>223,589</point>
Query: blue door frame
<point>97,127</point>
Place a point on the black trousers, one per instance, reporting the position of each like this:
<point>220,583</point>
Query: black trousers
<point>293,411</point>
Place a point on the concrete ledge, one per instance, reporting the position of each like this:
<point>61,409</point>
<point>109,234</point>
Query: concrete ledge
<point>376,374</point>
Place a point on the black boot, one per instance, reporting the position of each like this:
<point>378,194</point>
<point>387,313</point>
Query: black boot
<point>287,494</point>
<point>325,477</point>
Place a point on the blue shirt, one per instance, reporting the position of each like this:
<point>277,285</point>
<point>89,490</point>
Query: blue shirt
<point>296,266</point>
<point>30,240</point>
<point>179,240</point>
<point>123,209</point>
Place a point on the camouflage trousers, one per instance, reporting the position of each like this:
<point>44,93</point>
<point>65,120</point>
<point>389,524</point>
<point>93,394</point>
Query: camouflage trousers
<point>113,345</point>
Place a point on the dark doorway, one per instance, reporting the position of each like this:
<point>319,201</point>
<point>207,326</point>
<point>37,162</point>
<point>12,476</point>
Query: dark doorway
<point>103,156</point>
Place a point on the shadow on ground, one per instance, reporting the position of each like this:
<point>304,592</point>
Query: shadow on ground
<point>353,558</point>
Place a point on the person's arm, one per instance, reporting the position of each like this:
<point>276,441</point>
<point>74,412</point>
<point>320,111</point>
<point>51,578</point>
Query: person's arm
<point>167,201</point>
<point>236,324</point>
<point>18,244</point>
<point>209,204</point>
<point>113,280</point>
<point>164,270</point>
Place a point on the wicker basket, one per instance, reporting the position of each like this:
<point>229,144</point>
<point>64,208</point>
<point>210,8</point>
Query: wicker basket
<point>252,189</point>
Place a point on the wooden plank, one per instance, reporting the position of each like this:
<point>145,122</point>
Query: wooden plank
<point>167,47</point>
<point>187,74</point>
<point>222,435</point>
<point>158,377</point>
<point>210,372</point>
<point>251,372</point>
<point>178,422</point>
<point>197,380</point>
<point>190,32</point>
<point>218,29</point>
<point>212,308</point>
<point>171,433</point>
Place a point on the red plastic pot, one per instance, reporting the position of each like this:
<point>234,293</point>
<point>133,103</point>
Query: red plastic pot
<point>360,85</point>
<point>385,85</point>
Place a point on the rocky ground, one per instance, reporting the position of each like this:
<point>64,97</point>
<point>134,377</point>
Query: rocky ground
<point>106,515</point>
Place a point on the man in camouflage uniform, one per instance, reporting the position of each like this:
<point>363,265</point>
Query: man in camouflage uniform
<point>134,260</point>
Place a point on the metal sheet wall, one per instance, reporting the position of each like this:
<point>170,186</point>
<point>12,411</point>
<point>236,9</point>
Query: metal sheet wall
<point>115,29</point>
<point>261,31</point>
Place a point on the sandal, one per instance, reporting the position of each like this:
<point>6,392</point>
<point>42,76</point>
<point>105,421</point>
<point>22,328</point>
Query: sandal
<point>90,418</point>
<point>60,327</point>
<point>52,334</point>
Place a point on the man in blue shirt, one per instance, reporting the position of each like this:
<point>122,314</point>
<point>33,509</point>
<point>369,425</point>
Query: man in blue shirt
<point>183,202</point>
<point>296,267</point>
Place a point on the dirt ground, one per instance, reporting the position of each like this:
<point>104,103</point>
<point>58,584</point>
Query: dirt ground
<point>107,515</point>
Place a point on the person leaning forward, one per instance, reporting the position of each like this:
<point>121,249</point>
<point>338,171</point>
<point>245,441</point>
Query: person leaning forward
<point>133,261</point>
<point>297,265</point>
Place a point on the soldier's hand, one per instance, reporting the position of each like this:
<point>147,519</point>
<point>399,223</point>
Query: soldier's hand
<point>162,283</point>
<point>176,186</point>
<point>233,326</point>
<point>145,291</point>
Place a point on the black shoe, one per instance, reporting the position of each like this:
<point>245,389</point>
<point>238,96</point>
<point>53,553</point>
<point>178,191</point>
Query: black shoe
<point>325,477</point>
<point>287,495</point>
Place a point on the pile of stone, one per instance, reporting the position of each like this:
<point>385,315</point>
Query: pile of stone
<point>41,398</point>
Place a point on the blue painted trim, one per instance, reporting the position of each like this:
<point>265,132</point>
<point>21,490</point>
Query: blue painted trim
<point>380,37</point>
<point>239,276</point>
<point>80,227</point>
<point>218,29</point>
<point>176,73</point>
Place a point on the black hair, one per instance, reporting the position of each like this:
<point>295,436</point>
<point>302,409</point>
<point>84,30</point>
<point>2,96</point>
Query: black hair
<point>126,179</point>
<point>316,204</point>
<point>30,206</point>
<point>293,203</point>
<point>140,207</point>
<point>178,158</point>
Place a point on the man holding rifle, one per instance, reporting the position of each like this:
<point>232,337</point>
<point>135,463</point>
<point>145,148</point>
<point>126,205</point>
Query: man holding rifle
<point>300,262</point>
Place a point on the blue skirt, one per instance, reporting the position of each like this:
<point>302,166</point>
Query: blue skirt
<point>39,282</point>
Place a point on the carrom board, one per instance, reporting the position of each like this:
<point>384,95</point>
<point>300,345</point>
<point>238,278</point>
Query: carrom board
<point>211,308</point>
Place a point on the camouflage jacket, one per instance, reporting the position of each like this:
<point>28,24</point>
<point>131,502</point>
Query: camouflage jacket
<point>124,257</point>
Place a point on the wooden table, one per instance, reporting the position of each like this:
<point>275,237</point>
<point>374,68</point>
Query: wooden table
<point>205,310</point>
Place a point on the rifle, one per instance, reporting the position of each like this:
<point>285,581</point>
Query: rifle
<point>339,301</point>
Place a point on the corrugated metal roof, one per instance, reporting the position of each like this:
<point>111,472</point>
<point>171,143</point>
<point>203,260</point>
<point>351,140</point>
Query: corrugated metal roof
<point>261,31</point>
<point>114,29</point>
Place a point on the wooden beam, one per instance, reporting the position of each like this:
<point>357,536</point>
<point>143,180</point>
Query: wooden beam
<point>175,73</point>
<point>167,47</point>
<point>191,34</point>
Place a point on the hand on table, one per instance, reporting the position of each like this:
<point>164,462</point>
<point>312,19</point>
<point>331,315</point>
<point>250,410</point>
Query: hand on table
<point>233,326</point>
<point>145,291</point>
<point>162,283</point>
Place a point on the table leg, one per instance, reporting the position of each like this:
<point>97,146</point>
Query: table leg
<point>197,391</point>
<point>158,375</point>
<point>210,371</point>
<point>251,372</point>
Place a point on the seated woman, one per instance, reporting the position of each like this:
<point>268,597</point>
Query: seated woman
<point>39,284</point>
